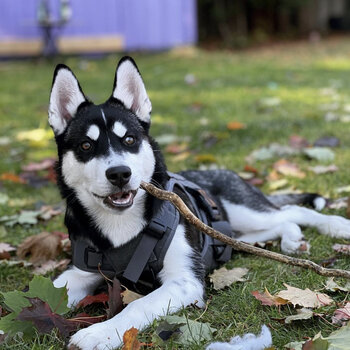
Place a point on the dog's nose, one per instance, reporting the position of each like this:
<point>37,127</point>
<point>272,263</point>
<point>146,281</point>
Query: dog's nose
<point>118,175</point>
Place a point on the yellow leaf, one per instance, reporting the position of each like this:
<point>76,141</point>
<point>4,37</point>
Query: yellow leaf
<point>130,340</point>
<point>36,137</point>
<point>205,158</point>
<point>129,296</point>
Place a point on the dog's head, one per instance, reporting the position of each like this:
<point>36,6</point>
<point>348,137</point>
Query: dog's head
<point>104,150</point>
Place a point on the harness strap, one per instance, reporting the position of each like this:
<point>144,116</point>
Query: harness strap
<point>147,250</point>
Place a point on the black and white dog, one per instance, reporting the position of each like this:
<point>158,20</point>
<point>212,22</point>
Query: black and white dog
<point>105,151</point>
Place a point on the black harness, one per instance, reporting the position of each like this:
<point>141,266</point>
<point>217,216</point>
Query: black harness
<point>140,260</point>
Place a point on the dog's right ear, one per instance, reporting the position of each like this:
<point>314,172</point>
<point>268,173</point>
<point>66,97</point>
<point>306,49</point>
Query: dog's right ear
<point>66,96</point>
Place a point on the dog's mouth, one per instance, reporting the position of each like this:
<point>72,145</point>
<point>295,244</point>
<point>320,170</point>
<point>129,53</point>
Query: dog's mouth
<point>119,200</point>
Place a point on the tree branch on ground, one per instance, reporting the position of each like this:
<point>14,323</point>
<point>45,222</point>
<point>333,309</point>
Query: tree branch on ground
<point>237,245</point>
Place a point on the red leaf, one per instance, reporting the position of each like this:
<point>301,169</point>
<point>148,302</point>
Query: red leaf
<point>12,178</point>
<point>93,299</point>
<point>44,319</point>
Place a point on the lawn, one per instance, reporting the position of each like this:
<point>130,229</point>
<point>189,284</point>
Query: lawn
<point>276,92</point>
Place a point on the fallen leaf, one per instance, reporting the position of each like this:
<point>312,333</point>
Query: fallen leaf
<point>47,212</point>
<point>4,198</point>
<point>181,157</point>
<point>342,248</point>
<point>289,169</point>
<point>234,125</point>
<point>183,330</point>
<point>322,169</point>
<point>42,247</point>
<point>267,299</point>
<point>343,189</point>
<point>255,181</point>
<point>51,265</point>
<point>222,277</point>
<point>205,158</point>
<point>304,297</point>
<point>129,296</point>
<point>166,139</point>
<point>246,175</point>
<point>25,217</point>
<point>93,299</point>
<point>321,154</point>
<point>130,340</point>
<point>298,142</point>
<point>271,151</point>
<point>44,319</point>
<point>36,137</point>
<point>332,286</point>
<point>327,141</point>
<point>115,302</point>
<point>176,148</point>
<point>342,315</point>
<point>5,250</point>
<point>190,79</point>
<point>338,203</point>
<point>12,178</point>
<point>38,166</point>
<point>302,314</point>
<point>248,168</point>
<point>317,343</point>
<point>270,101</point>
<point>340,339</point>
<point>275,185</point>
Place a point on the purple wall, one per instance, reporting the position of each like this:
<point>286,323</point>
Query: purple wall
<point>144,24</point>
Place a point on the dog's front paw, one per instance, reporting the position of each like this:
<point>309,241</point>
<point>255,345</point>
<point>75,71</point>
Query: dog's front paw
<point>95,337</point>
<point>336,226</point>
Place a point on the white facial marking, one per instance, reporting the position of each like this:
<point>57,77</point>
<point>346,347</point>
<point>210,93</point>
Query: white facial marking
<point>93,132</point>
<point>119,129</point>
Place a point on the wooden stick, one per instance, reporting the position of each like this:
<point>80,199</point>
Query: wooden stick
<point>237,245</point>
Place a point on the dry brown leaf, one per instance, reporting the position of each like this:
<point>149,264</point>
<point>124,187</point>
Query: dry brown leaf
<point>42,247</point>
<point>51,265</point>
<point>12,178</point>
<point>287,168</point>
<point>304,297</point>
<point>176,148</point>
<point>267,299</point>
<point>222,277</point>
<point>5,250</point>
<point>181,157</point>
<point>129,296</point>
<point>130,340</point>
<point>234,125</point>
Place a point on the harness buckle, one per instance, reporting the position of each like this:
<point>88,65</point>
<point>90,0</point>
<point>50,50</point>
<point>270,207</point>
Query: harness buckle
<point>157,228</point>
<point>92,258</point>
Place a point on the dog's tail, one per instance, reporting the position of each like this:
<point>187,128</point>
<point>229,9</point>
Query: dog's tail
<point>312,199</point>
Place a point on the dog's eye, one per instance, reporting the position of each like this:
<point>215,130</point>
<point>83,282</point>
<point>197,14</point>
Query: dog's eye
<point>85,146</point>
<point>129,140</point>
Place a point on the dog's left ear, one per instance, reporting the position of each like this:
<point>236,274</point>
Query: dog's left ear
<point>130,89</point>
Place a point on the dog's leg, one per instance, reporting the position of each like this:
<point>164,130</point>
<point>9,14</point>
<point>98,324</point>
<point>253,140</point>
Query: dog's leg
<point>332,225</point>
<point>292,239</point>
<point>79,284</point>
<point>180,288</point>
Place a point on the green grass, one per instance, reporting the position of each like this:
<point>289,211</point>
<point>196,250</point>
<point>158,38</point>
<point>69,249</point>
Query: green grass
<point>229,87</point>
